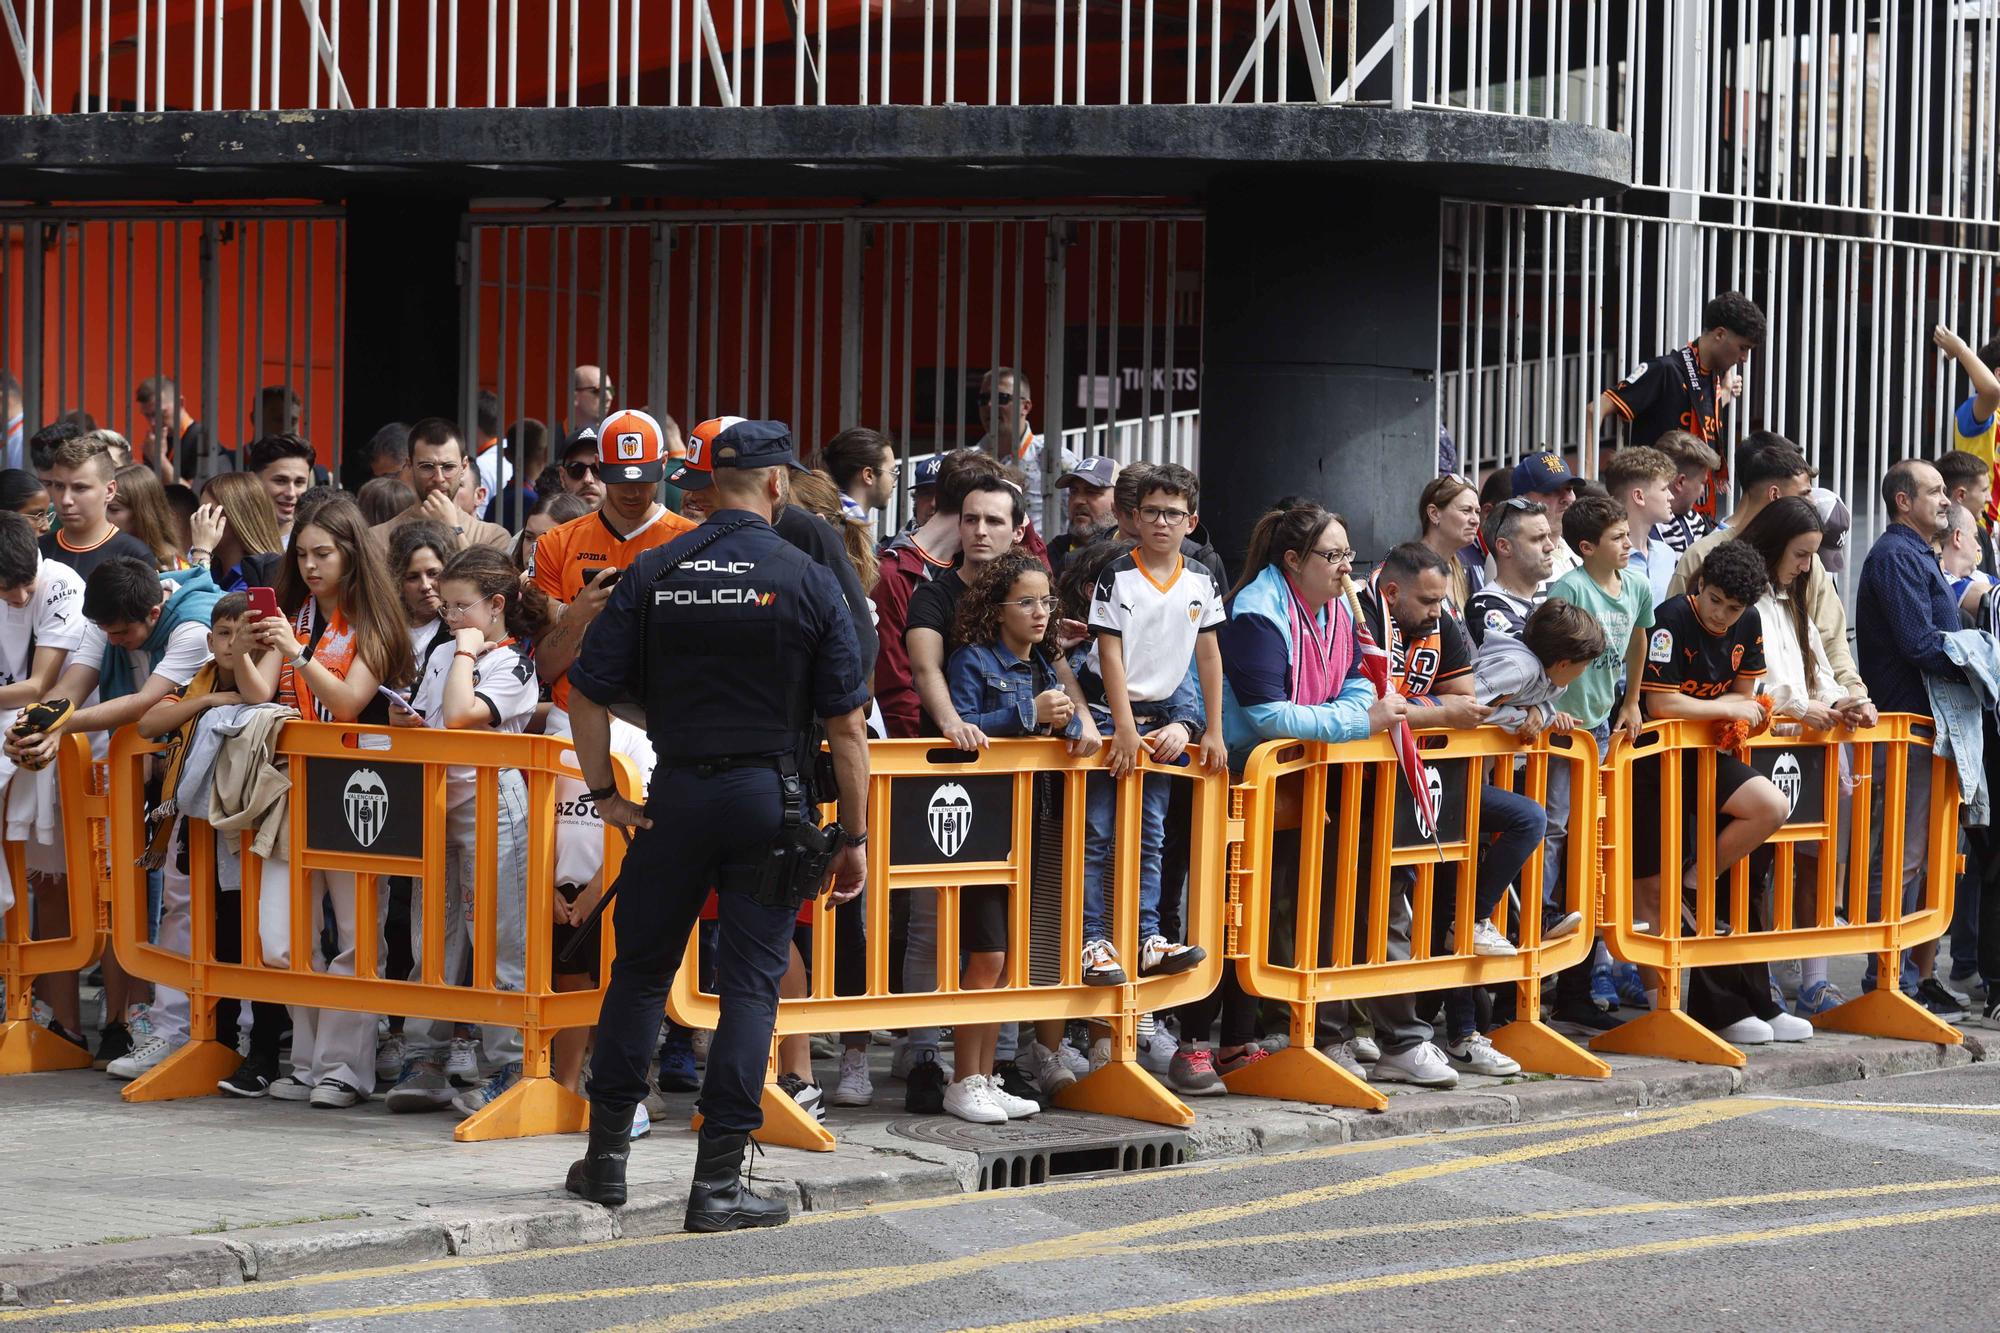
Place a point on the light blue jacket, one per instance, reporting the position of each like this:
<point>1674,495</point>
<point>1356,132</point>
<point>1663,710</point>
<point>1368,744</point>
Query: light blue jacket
<point>1257,658</point>
<point>1959,711</point>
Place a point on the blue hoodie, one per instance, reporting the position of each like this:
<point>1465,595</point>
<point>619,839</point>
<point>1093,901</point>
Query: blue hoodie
<point>1257,654</point>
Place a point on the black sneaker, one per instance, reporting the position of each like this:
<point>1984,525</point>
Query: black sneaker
<point>1993,1014</point>
<point>1008,1075</point>
<point>250,1080</point>
<point>76,1039</point>
<point>924,1086</point>
<point>1939,1001</point>
<point>1582,1019</point>
<point>807,1095</point>
<point>114,1043</point>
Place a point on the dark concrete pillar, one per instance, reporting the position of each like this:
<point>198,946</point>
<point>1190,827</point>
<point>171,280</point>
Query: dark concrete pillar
<point>402,335</point>
<point>1319,354</point>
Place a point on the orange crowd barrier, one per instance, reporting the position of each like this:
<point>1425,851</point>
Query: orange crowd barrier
<point>1286,912</point>
<point>1012,815</point>
<point>371,804</point>
<point>1684,932</point>
<point>25,1046</point>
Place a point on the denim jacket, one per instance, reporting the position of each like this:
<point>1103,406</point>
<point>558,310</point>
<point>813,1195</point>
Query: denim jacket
<point>995,691</point>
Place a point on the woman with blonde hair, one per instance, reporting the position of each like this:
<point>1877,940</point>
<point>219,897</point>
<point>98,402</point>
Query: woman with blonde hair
<point>816,494</point>
<point>236,533</point>
<point>138,506</point>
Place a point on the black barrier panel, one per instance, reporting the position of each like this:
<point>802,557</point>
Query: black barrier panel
<point>946,818</point>
<point>1447,783</point>
<point>364,805</point>
<point>1800,774</point>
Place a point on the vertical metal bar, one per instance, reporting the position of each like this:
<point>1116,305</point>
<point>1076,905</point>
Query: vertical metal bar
<point>510,407</point>
<point>211,338</point>
<point>625,314</point>
<point>552,289</point>
<point>306,351</point>
<point>469,272</point>
<point>964,320</point>
<point>1090,444</point>
<point>764,332</point>
<point>34,260</point>
<point>62,318</point>
<point>909,340</point>
<point>714,308</point>
<point>852,238</point>
<point>746,245</point>
<point>887,277</point>
<point>1146,351</point>
<point>819,325</point>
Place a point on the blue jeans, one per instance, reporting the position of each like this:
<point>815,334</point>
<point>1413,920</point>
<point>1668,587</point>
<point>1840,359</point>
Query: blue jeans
<point>1516,825</point>
<point>1915,816</point>
<point>1100,825</point>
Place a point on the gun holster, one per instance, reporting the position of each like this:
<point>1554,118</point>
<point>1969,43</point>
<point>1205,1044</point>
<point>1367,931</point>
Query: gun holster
<point>793,869</point>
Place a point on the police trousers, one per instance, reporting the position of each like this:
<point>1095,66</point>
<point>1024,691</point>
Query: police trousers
<point>699,823</point>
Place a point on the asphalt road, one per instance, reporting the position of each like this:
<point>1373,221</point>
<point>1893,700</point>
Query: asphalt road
<point>1865,1204</point>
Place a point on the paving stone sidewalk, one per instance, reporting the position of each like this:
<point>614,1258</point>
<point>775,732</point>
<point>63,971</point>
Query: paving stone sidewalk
<point>106,1198</point>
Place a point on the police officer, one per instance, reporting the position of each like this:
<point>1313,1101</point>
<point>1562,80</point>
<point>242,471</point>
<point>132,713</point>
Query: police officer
<point>735,642</point>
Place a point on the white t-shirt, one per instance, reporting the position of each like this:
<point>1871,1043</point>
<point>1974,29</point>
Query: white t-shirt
<point>1158,622</point>
<point>579,832</point>
<point>187,649</point>
<point>53,618</point>
<point>502,679</point>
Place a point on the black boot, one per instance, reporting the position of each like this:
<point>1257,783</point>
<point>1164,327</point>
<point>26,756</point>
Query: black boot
<point>721,1199</point>
<point>600,1176</point>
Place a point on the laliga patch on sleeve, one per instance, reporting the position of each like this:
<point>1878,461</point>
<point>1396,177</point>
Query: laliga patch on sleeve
<point>1497,619</point>
<point>1633,378</point>
<point>1662,648</point>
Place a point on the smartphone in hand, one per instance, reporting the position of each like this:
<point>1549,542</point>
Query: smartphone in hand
<point>263,602</point>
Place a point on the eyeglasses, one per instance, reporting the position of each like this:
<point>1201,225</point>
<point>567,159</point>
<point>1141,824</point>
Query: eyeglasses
<point>1034,604</point>
<point>578,471</point>
<point>458,610</point>
<point>587,388</point>
<point>1338,556</point>
<point>1004,399</point>
<point>434,469</point>
<point>1155,514</point>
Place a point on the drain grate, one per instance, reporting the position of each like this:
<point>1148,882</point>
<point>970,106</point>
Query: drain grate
<point>1053,1144</point>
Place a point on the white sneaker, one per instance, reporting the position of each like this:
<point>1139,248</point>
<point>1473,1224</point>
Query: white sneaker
<point>1074,1060</point>
<point>1100,1053</point>
<point>291,1088</point>
<point>1790,1027</point>
<point>642,1121</point>
<point>855,1087</point>
<point>1487,941</point>
<point>1157,1045</point>
<point>1052,1073</point>
<point>971,1099</point>
<point>1342,1054</point>
<point>1562,927</point>
<point>1751,1031</point>
<point>1423,1064</point>
<point>390,1053</point>
<point>1017,1108</point>
<point>1159,956</point>
<point>1365,1050</point>
<point>462,1065</point>
<point>1477,1055</point>
<point>1100,964</point>
<point>142,1059</point>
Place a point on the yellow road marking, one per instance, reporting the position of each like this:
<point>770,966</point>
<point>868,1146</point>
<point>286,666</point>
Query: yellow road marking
<point>1499,1268</point>
<point>1088,1245</point>
<point>1693,1117</point>
<point>1905,1108</point>
<point>1048,1190</point>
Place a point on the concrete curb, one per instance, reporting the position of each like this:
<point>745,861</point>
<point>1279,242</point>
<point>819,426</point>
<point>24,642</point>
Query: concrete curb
<point>1228,1127</point>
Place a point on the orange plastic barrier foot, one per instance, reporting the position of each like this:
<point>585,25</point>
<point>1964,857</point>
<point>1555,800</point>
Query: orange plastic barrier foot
<point>26,1047</point>
<point>532,1106</point>
<point>786,1124</point>
<point>1541,1049</point>
<point>1302,1074</point>
<point>1889,1013</point>
<point>1671,1035</point>
<point>1123,1088</point>
<point>191,1071</point>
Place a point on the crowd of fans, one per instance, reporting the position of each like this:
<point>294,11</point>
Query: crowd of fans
<point>451,592</point>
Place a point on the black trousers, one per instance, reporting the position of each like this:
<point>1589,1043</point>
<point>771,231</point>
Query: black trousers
<point>267,1021</point>
<point>699,823</point>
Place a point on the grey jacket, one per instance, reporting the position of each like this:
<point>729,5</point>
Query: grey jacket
<point>1511,679</point>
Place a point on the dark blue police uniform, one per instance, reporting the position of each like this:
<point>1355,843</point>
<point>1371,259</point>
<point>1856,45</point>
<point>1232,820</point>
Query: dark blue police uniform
<point>743,645</point>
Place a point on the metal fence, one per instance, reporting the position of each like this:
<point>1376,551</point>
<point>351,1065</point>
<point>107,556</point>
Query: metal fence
<point>827,320</point>
<point>237,307</point>
<point>1835,161</point>
<point>154,55</point>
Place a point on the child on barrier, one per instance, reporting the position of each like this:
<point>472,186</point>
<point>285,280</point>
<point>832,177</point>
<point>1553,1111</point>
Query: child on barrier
<point>1621,599</point>
<point>1003,681</point>
<point>339,637</point>
<point>1151,615</point>
<point>1803,692</point>
<point>175,719</point>
<point>483,683</point>
<point>1704,662</point>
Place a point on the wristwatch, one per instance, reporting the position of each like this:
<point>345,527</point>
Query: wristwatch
<point>855,839</point>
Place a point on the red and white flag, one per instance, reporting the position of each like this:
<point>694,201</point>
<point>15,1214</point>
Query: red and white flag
<point>1376,665</point>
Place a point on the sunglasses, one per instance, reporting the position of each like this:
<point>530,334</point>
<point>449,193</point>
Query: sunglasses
<point>578,471</point>
<point>1004,399</point>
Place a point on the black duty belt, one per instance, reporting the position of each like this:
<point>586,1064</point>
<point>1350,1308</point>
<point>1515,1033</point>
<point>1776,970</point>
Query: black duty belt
<point>708,768</point>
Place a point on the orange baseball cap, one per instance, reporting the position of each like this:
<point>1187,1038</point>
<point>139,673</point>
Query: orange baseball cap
<point>631,447</point>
